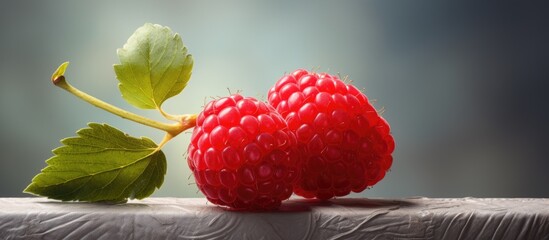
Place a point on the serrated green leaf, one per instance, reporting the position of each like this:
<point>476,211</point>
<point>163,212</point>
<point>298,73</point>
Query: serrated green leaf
<point>154,66</point>
<point>101,164</point>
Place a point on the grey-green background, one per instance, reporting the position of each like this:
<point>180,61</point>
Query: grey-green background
<point>463,85</point>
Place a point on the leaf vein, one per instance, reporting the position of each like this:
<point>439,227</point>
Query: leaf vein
<point>101,172</point>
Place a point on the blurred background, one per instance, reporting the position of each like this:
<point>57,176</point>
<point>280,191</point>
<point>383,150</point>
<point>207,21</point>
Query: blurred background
<point>464,86</point>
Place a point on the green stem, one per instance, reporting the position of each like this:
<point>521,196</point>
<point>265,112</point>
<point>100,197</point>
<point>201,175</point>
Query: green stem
<point>173,129</point>
<point>167,115</point>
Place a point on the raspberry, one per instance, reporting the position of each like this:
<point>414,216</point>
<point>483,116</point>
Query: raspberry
<point>242,154</point>
<point>345,144</point>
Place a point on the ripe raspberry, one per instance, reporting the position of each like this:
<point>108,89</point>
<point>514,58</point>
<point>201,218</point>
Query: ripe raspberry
<point>242,154</point>
<point>345,144</point>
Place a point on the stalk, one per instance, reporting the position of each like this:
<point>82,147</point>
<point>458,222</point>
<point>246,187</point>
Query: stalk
<point>183,122</point>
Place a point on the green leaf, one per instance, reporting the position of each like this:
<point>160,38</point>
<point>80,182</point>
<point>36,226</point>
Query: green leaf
<point>101,164</point>
<point>154,66</point>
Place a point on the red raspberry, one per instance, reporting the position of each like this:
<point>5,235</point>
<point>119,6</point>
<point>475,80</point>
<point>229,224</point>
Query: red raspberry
<point>345,144</point>
<point>242,154</point>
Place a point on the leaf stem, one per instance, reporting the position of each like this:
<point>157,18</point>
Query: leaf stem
<point>167,115</point>
<point>185,122</point>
